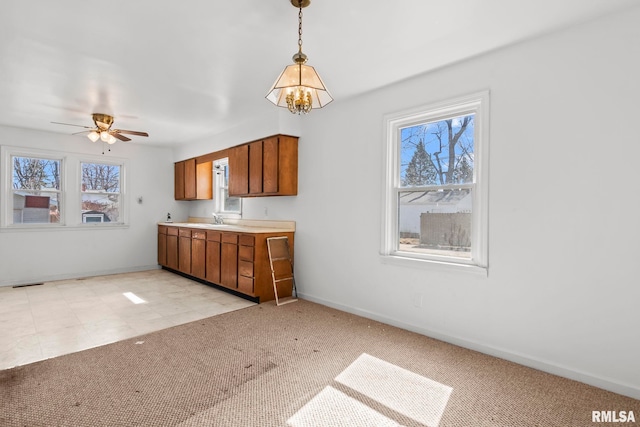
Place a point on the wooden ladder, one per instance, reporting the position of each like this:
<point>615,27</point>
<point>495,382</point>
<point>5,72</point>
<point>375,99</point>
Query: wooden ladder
<point>281,267</point>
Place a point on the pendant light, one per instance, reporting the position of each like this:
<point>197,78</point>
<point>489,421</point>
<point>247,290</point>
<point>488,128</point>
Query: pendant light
<point>299,87</point>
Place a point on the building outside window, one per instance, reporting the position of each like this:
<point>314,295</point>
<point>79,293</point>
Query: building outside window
<point>101,193</point>
<point>435,206</point>
<point>36,190</point>
<point>39,186</point>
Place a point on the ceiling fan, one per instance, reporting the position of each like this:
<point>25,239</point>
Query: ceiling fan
<point>103,131</point>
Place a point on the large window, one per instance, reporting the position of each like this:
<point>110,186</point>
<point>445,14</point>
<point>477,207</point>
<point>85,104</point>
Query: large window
<point>100,188</point>
<point>436,190</point>
<point>58,191</point>
<point>36,185</point>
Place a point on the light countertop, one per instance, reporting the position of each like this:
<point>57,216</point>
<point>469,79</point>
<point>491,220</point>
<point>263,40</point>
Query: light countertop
<point>237,225</point>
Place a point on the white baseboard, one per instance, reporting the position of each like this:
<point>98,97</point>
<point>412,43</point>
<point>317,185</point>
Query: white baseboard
<point>521,359</point>
<point>76,275</point>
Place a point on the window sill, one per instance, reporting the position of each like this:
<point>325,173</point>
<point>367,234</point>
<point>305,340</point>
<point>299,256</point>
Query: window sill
<point>51,227</point>
<point>434,265</point>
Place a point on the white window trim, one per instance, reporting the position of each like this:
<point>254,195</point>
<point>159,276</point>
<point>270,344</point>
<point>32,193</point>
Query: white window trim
<point>217,196</point>
<point>70,194</point>
<point>478,104</point>
<point>123,208</point>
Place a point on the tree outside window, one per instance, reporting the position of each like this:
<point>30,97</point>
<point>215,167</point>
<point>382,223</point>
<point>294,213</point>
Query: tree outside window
<point>435,209</point>
<point>435,204</point>
<point>101,192</point>
<point>36,190</point>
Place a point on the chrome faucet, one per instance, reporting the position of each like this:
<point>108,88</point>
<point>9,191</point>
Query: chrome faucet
<point>217,219</point>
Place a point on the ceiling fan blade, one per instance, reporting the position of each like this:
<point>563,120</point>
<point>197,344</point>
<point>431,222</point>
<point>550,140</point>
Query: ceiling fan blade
<point>69,124</point>
<point>131,132</point>
<point>120,137</point>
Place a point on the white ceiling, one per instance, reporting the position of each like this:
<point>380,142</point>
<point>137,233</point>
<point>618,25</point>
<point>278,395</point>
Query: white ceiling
<point>182,70</point>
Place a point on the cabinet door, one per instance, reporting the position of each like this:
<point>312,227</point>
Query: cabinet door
<point>287,165</point>
<point>162,249</point>
<point>270,168</point>
<point>239,170</point>
<point>198,257</point>
<point>229,265</point>
<point>178,180</point>
<point>172,248</point>
<point>255,167</point>
<point>184,254</point>
<point>229,260</point>
<point>213,262</point>
<point>204,180</point>
<point>190,187</point>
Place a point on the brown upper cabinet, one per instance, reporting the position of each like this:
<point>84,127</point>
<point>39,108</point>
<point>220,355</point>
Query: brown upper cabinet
<point>266,167</point>
<point>193,179</point>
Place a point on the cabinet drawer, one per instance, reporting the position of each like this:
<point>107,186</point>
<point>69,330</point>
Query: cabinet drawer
<point>245,268</point>
<point>245,284</point>
<point>230,238</point>
<point>172,231</point>
<point>184,232</point>
<point>247,240</point>
<point>162,229</point>
<point>213,236</point>
<point>198,234</point>
<point>245,253</point>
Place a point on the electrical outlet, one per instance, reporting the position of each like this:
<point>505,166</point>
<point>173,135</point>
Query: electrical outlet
<point>266,212</point>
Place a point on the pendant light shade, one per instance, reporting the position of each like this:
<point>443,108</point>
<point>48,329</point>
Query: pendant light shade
<point>299,88</point>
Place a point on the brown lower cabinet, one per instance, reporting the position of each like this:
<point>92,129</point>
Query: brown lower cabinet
<point>236,261</point>
<point>172,248</point>
<point>184,250</point>
<point>229,260</point>
<point>212,255</point>
<point>198,253</point>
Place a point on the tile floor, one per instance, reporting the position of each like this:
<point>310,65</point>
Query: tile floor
<point>56,318</point>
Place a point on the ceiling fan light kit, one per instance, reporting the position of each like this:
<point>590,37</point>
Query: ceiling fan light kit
<point>299,88</point>
<point>103,131</point>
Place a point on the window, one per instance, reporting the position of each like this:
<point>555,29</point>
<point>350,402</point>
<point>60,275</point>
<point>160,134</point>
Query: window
<point>435,206</point>
<point>100,189</point>
<point>58,191</point>
<point>223,203</point>
<point>36,188</point>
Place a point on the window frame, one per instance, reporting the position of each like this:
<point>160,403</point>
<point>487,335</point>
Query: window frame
<point>218,190</point>
<point>477,104</point>
<point>122,205</point>
<point>70,196</point>
<point>12,191</point>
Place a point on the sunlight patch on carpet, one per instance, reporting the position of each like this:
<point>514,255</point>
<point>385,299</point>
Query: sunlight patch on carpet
<point>408,393</point>
<point>400,390</point>
<point>333,408</point>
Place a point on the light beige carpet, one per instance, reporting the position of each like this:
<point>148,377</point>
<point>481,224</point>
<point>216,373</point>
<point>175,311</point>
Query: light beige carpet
<point>298,365</point>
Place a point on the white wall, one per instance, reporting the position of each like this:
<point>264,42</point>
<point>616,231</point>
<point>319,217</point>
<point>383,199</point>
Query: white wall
<point>562,292</point>
<point>40,255</point>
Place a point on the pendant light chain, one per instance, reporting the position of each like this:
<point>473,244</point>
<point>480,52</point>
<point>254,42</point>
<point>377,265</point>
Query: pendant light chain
<point>300,28</point>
